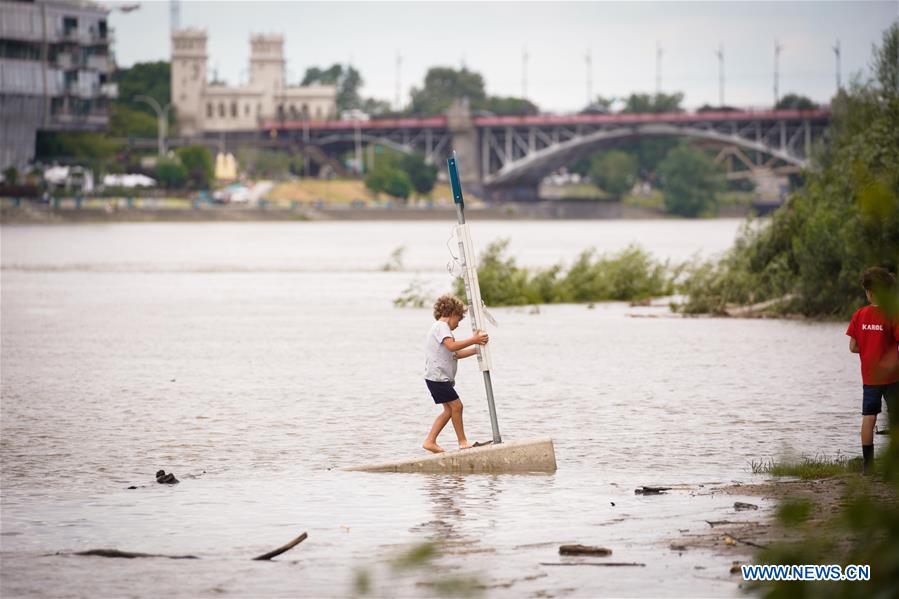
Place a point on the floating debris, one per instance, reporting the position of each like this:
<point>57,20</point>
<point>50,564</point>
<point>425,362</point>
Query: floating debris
<point>740,506</point>
<point>130,554</point>
<point>644,490</point>
<point>166,479</point>
<point>608,564</point>
<point>116,553</point>
<point>583,550</point>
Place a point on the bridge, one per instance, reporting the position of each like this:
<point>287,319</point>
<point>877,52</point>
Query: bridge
<point>506,157</point>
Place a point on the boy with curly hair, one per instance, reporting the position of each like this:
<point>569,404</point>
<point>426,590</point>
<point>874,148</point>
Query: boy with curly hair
<point>874,336</point>
<point>441,354</point>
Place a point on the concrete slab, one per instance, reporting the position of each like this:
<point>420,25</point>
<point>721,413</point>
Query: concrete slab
<point>534,455</point>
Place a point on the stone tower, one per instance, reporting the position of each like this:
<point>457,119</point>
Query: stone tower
<point>189,78</point>
<point>267,66</point>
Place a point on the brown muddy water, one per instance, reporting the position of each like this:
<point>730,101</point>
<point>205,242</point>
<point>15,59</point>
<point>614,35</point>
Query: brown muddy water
<point>252,360</point>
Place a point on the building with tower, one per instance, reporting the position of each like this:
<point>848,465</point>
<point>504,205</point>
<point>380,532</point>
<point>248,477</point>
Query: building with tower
<point>204,107</point>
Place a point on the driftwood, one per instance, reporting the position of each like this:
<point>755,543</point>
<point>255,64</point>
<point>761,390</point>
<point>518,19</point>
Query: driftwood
<point>753,309</point>
<point>608,564</point>
<point>644,490</point>
<point>739,505</point>
<point>714,523</point>
<point>734,540</point>
<point>132,554</point>
<point>283,548</point>
<point>583,550</point>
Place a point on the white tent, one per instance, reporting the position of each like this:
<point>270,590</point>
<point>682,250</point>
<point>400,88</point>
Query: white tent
<point>129,180</point>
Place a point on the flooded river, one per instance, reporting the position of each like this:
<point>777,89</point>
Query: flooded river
<point>254,359</point>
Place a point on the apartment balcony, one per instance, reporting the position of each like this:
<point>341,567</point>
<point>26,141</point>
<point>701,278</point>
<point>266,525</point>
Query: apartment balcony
<point>94,121</point>
<point>98,62</point>
<point>65,61</point>
<point>109,90</point>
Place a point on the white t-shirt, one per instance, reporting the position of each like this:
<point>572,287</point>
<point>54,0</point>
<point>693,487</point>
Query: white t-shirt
<point>440,364</point>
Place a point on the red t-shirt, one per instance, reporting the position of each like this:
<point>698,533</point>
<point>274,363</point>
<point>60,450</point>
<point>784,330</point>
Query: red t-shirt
<point>878,340</point>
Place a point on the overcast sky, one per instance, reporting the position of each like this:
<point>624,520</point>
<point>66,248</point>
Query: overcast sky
<point>489,37</point>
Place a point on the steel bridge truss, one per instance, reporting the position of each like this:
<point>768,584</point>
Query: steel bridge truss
<point>513,155</point>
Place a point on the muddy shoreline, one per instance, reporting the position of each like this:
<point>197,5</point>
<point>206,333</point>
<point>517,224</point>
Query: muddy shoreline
<point>753,529</point>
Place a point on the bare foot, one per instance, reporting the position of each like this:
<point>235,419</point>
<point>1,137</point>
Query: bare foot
<point>464,445</point>
<point>432,447</point>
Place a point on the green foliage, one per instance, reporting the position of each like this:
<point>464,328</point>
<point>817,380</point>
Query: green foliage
<point>11,175</point>
<point>144,78</point>
<point>793,512</point>
<point>377,108</point>
<point>415,295</point>
<point>795,102</point>
<point>844,219</point>
<point>808,468</point>
<point>125,121</point>
<point>442,85</point>
<point>270,164</point>
<point>508,105</point>
<point>198,162</point>
<point>421,175</point>
<point>389,179</point>
<point>347,80</point>
<point>419,560</point>
<point>396,260</point>
<point>74,145</point>
<point>170,173</point>
<point>398,174</point>
<point>654,103</point>
<point>630,274</point>
<point>415,557</point>
<point>614,171</point>
<point>600,105</point>
<point>691,182</point>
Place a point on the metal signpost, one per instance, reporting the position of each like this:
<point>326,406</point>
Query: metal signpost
<point>472,289</point>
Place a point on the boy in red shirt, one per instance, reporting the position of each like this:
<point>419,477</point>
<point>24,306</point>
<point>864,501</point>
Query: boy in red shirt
<point>875,337</point>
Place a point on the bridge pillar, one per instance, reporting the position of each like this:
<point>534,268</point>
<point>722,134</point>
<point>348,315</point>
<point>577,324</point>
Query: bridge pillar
<point>464,140</point>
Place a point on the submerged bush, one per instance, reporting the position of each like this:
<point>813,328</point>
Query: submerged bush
<point>631,274</point>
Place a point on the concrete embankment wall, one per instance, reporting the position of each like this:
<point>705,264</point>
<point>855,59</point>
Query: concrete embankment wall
<point>34,213</point>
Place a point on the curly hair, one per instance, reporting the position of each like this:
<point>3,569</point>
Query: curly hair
<point>448,305</point>
<point>877,276</point>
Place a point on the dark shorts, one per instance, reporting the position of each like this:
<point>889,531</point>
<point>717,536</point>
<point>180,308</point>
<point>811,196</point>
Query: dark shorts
<point>872,395</point>
<point>441,392</point>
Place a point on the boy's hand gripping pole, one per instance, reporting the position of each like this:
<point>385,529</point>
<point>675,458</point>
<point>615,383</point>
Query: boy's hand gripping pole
<point>472,289</point>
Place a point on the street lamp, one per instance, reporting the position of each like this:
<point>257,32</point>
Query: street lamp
<point>161,118</point>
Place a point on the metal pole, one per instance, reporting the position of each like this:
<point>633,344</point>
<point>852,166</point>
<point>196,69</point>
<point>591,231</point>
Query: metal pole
<point>658,69</point>
<point>160,120</point>
<point>305,144</point>
<point>460,215</point>
<point>720,54</point>
<point>524,73</point>
<point>588,60</point>
<point>777,49</point>
<point>358,137</point>
<point>836,51</point>
<point>398,104</point>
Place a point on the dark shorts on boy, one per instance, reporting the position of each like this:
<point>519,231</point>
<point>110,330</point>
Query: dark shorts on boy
<point>872,395</point>
<point>442,392</point>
